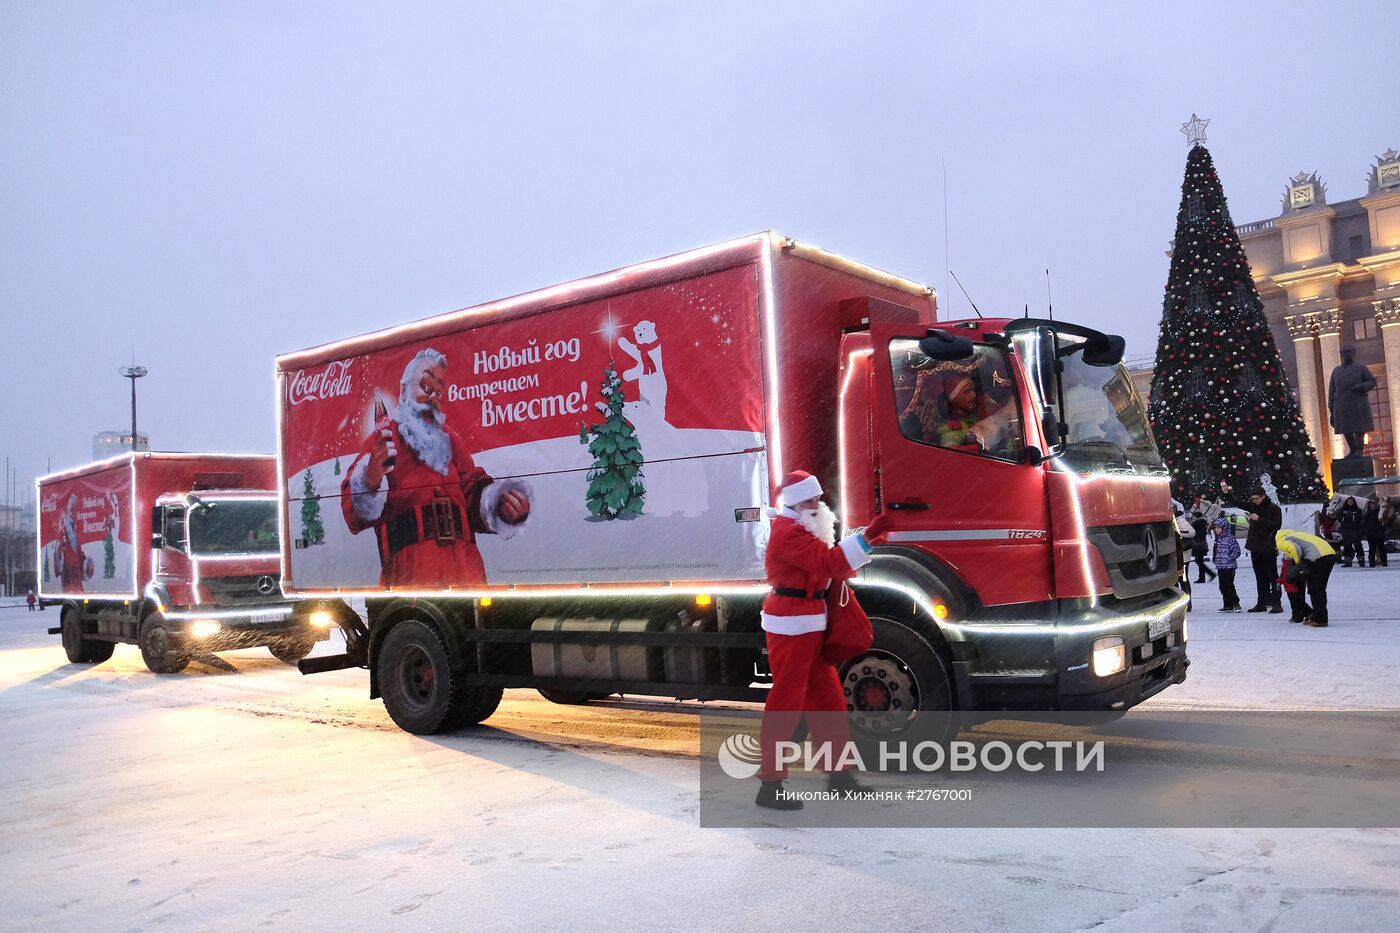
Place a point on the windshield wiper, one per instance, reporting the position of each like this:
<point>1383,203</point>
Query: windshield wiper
<point>1098,443</point>
<point>1097,447</point>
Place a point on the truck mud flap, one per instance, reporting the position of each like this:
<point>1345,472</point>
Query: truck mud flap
<point>331,662</point>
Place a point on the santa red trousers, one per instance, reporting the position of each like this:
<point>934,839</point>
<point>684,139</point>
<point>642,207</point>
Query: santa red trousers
<point>803,681</point>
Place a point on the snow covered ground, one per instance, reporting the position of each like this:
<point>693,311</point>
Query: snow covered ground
<point>241,795</point>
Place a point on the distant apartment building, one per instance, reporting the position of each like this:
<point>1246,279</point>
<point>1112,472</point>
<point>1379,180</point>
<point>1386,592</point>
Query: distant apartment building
<point>111,443</point>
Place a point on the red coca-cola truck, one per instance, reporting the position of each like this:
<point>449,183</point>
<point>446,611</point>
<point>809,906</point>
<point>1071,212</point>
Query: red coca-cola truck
<point>174,552</point>
<point>566,490</point>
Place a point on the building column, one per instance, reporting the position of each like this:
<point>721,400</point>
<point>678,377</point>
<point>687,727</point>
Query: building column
<point>1388,317</point>
<point>1329,339</point>
<point>1302,328</point>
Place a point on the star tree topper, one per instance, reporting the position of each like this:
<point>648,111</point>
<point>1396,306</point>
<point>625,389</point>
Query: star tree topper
<point>1195,130</point>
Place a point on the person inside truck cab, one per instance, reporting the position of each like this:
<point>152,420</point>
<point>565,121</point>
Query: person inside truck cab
<point>957,406</point>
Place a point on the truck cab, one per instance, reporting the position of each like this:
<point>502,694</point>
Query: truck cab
<point>1030,512</point>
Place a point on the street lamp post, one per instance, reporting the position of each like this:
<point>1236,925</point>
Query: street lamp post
<point>133,373</point>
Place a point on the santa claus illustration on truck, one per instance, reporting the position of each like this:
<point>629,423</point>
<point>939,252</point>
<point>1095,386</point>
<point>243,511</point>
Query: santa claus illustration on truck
<point>426,508</point>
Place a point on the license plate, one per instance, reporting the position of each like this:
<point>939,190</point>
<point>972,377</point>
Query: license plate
<point>260,618</point>
<point>1159,627</point>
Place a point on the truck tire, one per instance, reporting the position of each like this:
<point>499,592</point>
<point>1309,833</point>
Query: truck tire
<point>81,650</point>
<point>422,691</point>
<point>160,649</point>
<point>899,689</point>
<point>292,648</point>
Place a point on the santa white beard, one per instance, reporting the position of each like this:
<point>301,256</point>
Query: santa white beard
<point>421,427</point>
<point>822,525</point>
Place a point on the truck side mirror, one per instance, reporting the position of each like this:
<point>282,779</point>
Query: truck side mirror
<point>1104,350</point>
<point>941,345</point>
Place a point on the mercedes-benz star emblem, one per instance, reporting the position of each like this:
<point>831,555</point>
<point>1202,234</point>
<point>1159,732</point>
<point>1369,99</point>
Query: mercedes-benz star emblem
<point>266,585</point>
<point>1149,542</point>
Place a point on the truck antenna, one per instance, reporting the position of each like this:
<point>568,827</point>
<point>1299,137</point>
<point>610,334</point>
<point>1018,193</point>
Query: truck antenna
<point>1049,305</point>
<point>946,269</point>
<point>964,291</point>
<point>1028,310</point>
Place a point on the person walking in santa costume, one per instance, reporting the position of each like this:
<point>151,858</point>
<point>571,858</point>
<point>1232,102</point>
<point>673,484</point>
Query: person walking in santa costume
<point>804,559</point>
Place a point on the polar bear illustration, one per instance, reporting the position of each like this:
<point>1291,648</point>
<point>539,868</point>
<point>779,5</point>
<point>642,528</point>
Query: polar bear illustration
<point>649,372</point>
<point>674,483</point>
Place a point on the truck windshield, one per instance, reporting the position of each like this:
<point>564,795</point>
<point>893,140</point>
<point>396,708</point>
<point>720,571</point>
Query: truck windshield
<point>227,526</point>
<point>1108,427</point>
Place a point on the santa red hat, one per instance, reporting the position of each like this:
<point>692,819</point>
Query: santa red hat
<point>797,486</point>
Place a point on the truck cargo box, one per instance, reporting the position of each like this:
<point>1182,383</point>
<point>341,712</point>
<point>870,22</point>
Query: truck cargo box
<point>637,411</point>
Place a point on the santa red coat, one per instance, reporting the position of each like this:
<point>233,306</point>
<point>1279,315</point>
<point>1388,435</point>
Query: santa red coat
<point>411,553</point>
<point>796,559</point>
<point>69,557</point>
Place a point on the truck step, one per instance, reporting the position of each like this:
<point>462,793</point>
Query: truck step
<point>331,662</point>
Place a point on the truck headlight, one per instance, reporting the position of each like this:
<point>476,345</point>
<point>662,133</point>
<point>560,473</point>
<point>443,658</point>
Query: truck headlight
<point>321,619</point>
<point>1110,656</point>
<point>204,628</point>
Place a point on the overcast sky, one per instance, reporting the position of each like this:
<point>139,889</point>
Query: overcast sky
<point>213,184</point>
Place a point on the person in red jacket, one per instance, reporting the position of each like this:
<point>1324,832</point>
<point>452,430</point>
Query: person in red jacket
<point>802,560</point>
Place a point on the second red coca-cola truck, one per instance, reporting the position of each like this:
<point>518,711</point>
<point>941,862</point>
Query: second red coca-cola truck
<point>176,553</point>
<point>565,490</point>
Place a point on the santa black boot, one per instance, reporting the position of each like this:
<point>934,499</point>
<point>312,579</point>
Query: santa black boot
<point>771,795</point>
<point>844,782</point>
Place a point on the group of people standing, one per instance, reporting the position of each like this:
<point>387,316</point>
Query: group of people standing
<point>1308,559</point>
<point>1357,524</point>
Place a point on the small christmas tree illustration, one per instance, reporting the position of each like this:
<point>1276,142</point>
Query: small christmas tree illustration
<point>46,565</point>
<point>615,488</point>
<point>109,557</point>
<point>337,466</point>
<point>311,528</point>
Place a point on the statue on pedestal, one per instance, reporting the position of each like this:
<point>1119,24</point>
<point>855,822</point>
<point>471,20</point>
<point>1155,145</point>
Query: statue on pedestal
<point>1349,409</point>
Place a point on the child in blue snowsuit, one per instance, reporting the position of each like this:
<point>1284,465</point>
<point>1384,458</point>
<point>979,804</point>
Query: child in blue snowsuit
<point>1226,559</point>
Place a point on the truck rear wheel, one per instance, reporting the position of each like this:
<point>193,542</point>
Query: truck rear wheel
<point>81,650</point>
<point>899,689</point>
<point>160,649</point>
<point>422,692</point>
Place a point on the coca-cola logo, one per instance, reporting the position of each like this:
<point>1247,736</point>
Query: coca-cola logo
<point>331,382</point>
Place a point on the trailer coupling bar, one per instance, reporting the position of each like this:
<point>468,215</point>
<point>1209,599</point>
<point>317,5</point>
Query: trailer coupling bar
<point>331,662</point>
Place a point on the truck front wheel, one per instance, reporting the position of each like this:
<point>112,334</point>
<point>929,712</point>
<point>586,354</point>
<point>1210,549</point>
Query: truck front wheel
<point>160,649</point>
<point>899,689</point>
<point>422,692</point>
<point>81,650</point>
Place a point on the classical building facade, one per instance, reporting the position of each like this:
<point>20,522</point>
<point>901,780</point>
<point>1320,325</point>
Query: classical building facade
<point>1329,276</point>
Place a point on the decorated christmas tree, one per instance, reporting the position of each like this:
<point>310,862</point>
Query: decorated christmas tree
<point>311,528</point>
<point>615,488</point>
<point>109,557</point>
<point>337,466</point>
<point>46,565</point>
<point>1221,406</point>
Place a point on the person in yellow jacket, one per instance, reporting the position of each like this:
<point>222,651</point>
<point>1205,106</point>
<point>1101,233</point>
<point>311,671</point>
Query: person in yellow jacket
<point>1312,560</point>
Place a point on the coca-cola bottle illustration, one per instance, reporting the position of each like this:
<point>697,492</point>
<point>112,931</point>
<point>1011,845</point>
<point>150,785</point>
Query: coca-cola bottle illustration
<point>381,423</point>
